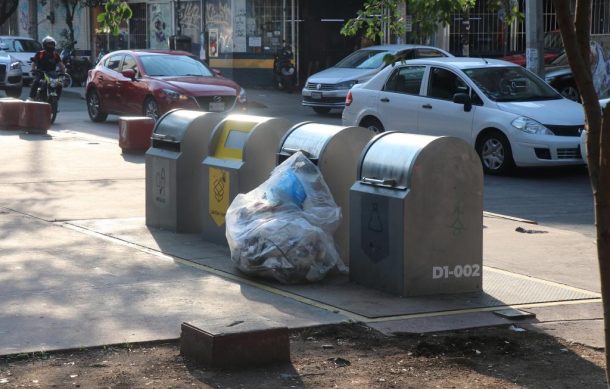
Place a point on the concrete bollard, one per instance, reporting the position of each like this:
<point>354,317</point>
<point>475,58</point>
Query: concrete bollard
<point>35,117</point>
<point>135,133</point>
<point>10,111</point>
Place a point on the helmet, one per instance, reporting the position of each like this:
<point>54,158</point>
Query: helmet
<point>48,42</point>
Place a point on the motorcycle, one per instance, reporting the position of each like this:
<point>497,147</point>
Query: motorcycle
<point>76,68</point>
<point>49,90</point>
<point>284,70</point>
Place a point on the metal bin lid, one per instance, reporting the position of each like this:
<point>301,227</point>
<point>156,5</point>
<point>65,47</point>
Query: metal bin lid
<point>172,126</point>
<point>389,157</point>
<point>310,138</point>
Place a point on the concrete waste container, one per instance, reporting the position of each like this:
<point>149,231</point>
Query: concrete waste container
<point>241,154</point>
<point>417,216</point>
<point>173,169</point>
<point>336,151</point>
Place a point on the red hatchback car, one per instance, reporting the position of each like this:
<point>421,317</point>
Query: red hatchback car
<point>150,83</point>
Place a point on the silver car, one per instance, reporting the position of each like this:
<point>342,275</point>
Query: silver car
<point>11,80</point>
<point>327,89</point>
<point>23,49</point>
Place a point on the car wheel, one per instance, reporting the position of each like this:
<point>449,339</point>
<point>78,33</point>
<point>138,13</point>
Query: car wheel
<point>495,153</point>
<point>373,124</point>
<point>67,80</point>
<point>151,108</point>
<point>570,92</point>
<point>321,110</point>
<point>16,93</point>
<point>94,107</point>
<point>54,104</point>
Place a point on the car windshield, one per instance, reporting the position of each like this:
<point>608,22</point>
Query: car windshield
<point>173,66</point>
<point>511,83</point>
<point>363,59</point>
<point>20,45</point>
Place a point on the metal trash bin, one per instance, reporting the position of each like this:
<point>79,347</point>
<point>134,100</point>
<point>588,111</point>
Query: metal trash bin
<point>417,216</point>
<point>173,174</point>
<point>242,153</point>
<point>336,151</point>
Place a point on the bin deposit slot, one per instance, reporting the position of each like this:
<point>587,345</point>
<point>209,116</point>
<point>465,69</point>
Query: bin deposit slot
<point>286,153</point>
<point>379,181</point>
<point>165,144</point>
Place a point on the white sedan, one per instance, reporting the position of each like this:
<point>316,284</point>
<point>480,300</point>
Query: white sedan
<point>583,136</point>
<point>511,116</point>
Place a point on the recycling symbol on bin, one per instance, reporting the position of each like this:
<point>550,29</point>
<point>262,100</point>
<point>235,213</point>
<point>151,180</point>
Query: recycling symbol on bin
<point>219,187</point>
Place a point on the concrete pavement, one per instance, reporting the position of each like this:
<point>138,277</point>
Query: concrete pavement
<point>79,268</point>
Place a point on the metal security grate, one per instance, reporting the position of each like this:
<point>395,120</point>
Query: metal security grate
<point>566,130</point>
<point>204,101</point>
<point>600,17</point>
<point>569,153</point>
<point>323,87</point>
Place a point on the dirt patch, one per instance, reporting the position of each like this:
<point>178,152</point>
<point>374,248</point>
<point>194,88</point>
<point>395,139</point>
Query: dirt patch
<point>352,356</point>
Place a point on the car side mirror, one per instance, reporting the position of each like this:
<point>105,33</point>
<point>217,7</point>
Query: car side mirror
<point>463,98</point>
<point>217,72</point>
<point>129,73</point>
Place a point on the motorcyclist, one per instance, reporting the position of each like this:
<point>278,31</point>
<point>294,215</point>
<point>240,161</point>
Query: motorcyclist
<point>46,60</point>
<point>283,66</point>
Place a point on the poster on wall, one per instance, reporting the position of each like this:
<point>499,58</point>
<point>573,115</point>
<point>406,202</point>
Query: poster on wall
<point>190,18</point>
<point>220,17</point>
<point>239,26</point>
<point>213,42</point>
<point>160,24</point>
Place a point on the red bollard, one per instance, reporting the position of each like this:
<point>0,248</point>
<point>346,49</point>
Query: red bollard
<point>135,133</point>
<point>10,110</point>
<point>35,117</point>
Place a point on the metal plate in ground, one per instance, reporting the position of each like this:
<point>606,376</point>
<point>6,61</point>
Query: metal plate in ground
<point>500,288</point>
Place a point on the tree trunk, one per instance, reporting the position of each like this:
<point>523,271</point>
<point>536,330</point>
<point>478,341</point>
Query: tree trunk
<point>602,218</point>
<point>7,8</point>
<point>575,33</point>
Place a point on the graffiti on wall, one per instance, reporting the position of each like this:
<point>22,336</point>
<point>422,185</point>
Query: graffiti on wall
<point>220,17</point>
<point>24,20</point>
<point>239,23</point>
<point>58,29</point>
<point>160,24</point>
<point>601,68</point>
<point>190,19</point>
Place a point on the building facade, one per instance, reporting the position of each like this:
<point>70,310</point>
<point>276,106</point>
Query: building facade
<point>241,37</point>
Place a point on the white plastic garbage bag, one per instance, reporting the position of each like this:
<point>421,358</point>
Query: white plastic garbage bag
<point>283,229</point>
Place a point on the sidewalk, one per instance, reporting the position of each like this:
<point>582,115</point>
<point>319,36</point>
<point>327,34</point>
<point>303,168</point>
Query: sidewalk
<point>80,268</point>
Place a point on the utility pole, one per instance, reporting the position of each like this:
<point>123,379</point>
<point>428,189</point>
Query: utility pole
<point>534,37</point>
<point>466,32</point>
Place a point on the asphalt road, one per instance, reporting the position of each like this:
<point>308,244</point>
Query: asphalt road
<point>558,197</point>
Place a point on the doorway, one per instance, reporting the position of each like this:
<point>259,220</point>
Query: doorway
<point>321,44</point>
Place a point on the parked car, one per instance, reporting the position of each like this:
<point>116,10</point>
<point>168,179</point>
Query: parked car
<point>327,89</point>
<point>23,49</point>
<point>583,136</point>
<point>553,48</point>
<point>150,83</point>
<point>11,80</point>
<point>521,60</point>
<point>511,116</point>
<point>559,74</point>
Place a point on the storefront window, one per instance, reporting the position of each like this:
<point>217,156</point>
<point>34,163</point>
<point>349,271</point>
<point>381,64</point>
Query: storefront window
<point>240,26</point>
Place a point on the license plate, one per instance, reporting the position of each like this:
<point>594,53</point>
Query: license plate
<point>217,107</point>
<point>316,95</point>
